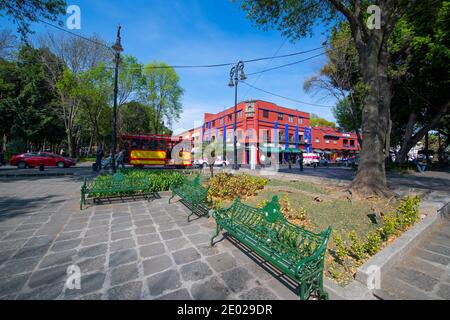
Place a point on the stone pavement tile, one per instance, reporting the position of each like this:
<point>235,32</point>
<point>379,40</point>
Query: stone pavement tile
<point>241,256</point>
<point>39,241</point>
<point>212,289</point>
<point>122,244</point>
<point>143,222</point>
<point>167,226</point>
<point>444,291</point>
<point>121,235</point>
<point>75,227</point>
<point>69,235</point>
<point>416,278</point>
<point>200,238</point>
<point>98,223</point>
<point>48,276</point>
<point>93,251</point>
<point>177,244</point>
<point>145,230</point>
<point>121,227</point>
<point>436,248</point>
<point>433,270</point>
<point>5,255</point>
<point>148,239</point>
<point>129,291</point>
<point>9,245</point>
<point>96,264</point>
<point>13,267</point>
<point>29,226</point>
<point>282,290</point>
<point>121,257</point>
<point>152,250</point>
<point>181,294</point>
<point>195,271</point>
<point>258,272</point>
<point>98,239</point>
<point>10,285</point>
<point>185,256</point>
<point>46,292</point>
<point>191,229</point>
<point>96,231</point>
<point>19,235</point>
<point>120,220</point>
<point>30,252</point>
<point>91,297</point>
<point>172,234</point>
<point>54,259</point>
<point>237,279</point>
<point>66,245</point>
<point>401,290</point>
<point>124,273</point>
<point>167,280</point>
<point>89,283</point>
<point>222,262</point>
<point>157,264</point>
<point>432,257</point>
<point>258,293</point>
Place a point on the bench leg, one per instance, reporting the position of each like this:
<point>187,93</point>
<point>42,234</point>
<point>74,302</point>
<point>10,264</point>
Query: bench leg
<point>215,235</point>
<point>303,293</point>
<point>173,195</point>
<point>190,215</point>
<point>321,292</point>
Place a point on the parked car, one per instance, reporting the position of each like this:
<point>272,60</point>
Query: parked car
<point>34,159</point>
<point>204,163</point>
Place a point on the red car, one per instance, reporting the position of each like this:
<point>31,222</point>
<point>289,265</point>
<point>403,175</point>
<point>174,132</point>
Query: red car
<point>34,159</point>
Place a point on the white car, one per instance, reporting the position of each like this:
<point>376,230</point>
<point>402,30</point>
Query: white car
<point>204,163</point>
<point>311,159</point>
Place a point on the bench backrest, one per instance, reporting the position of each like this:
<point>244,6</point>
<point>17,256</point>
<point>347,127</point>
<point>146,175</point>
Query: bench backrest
<point>269,222</point>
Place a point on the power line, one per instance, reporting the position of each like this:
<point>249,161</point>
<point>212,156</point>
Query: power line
<point>283,97</point>
<point>74,34</point>
<point>286,65</point>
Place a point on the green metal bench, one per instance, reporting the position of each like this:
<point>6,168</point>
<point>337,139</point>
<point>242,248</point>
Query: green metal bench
<point>193,195</point>
<point>297,252</point>
<point>118,185</point>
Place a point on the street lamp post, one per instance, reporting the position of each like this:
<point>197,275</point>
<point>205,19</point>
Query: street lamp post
<point>117,47</point>
<point>234,76</point>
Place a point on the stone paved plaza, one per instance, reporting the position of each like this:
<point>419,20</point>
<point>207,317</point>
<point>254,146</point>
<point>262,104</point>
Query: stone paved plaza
<point>132,250</point>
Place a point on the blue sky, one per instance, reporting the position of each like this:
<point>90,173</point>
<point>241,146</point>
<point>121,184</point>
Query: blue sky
<point>203,32</point>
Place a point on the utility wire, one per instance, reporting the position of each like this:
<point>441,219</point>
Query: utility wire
<point>283,97</point>
<point>74,34</point>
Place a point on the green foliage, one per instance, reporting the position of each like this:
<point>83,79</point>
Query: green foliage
<point>159,180</point>
<point>228,186</point>
<point>298,217</point>
<point>373,242</point>
<point>357,249</point>
<point>316,121</point>
<point>408,212</point>
<point>162,93</point>
<point>341,251</point>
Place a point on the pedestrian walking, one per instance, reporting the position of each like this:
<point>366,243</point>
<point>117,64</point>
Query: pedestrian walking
<point>300,160</point>
<point>120,159</point>
<point>98,158</point>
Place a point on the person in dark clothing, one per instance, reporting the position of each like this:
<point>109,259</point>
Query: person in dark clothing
<point>300,160</point>
<point>120,159</point>
<point>98,158</point>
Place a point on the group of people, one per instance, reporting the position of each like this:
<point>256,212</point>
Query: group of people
<point>100,163</point>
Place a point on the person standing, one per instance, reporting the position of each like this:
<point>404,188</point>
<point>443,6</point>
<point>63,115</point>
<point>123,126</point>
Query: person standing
<point>120,159</point>
<point>300,160</point>
<point>98,158</point>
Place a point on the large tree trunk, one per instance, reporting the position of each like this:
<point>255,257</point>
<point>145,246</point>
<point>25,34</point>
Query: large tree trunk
<point>371,176</point>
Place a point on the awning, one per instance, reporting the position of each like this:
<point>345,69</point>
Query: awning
<point>293,151</point>
<point>317,151</point>
<point>270,149</point>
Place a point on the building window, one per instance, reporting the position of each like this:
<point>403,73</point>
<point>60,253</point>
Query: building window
<point>352,143</point>
<point>230,117</point>
<point>327,141</point>
<point>335,141</point>
<point>214,123</point>
<point>300,120</point>
<point>300,138</point>
<point>265,114</point>
<point>239,114</point>
<point>280,116</point>
<point>221,120</point>
<point>317,140</point>
<point>291,119</point>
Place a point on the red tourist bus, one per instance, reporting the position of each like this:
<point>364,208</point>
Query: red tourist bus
<point>157,150</point>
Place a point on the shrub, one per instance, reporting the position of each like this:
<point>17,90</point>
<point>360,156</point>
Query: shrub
<point>373,242</point>
<point>357,249</point>
<point>408,212</point>
<point>341,251</point>
<point>298,217</point>
<point>228,186</point>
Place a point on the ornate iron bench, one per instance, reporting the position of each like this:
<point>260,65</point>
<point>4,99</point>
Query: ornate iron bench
<point>118,185</point>
<point>297,252</point>
<point>193,195</point>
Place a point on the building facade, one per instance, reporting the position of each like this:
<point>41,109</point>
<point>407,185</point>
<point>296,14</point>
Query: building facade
<point>272,131</point>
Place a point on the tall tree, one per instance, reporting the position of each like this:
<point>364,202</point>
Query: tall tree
<point>23,12</point>
<point>296,19</point>
<point>162,93</point>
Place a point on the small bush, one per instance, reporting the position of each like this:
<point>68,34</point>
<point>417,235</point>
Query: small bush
<point>373,243</point>
<point>298,217</point>
<point>228,186</point>
<point>357,249</point>
<point>341,251</point>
